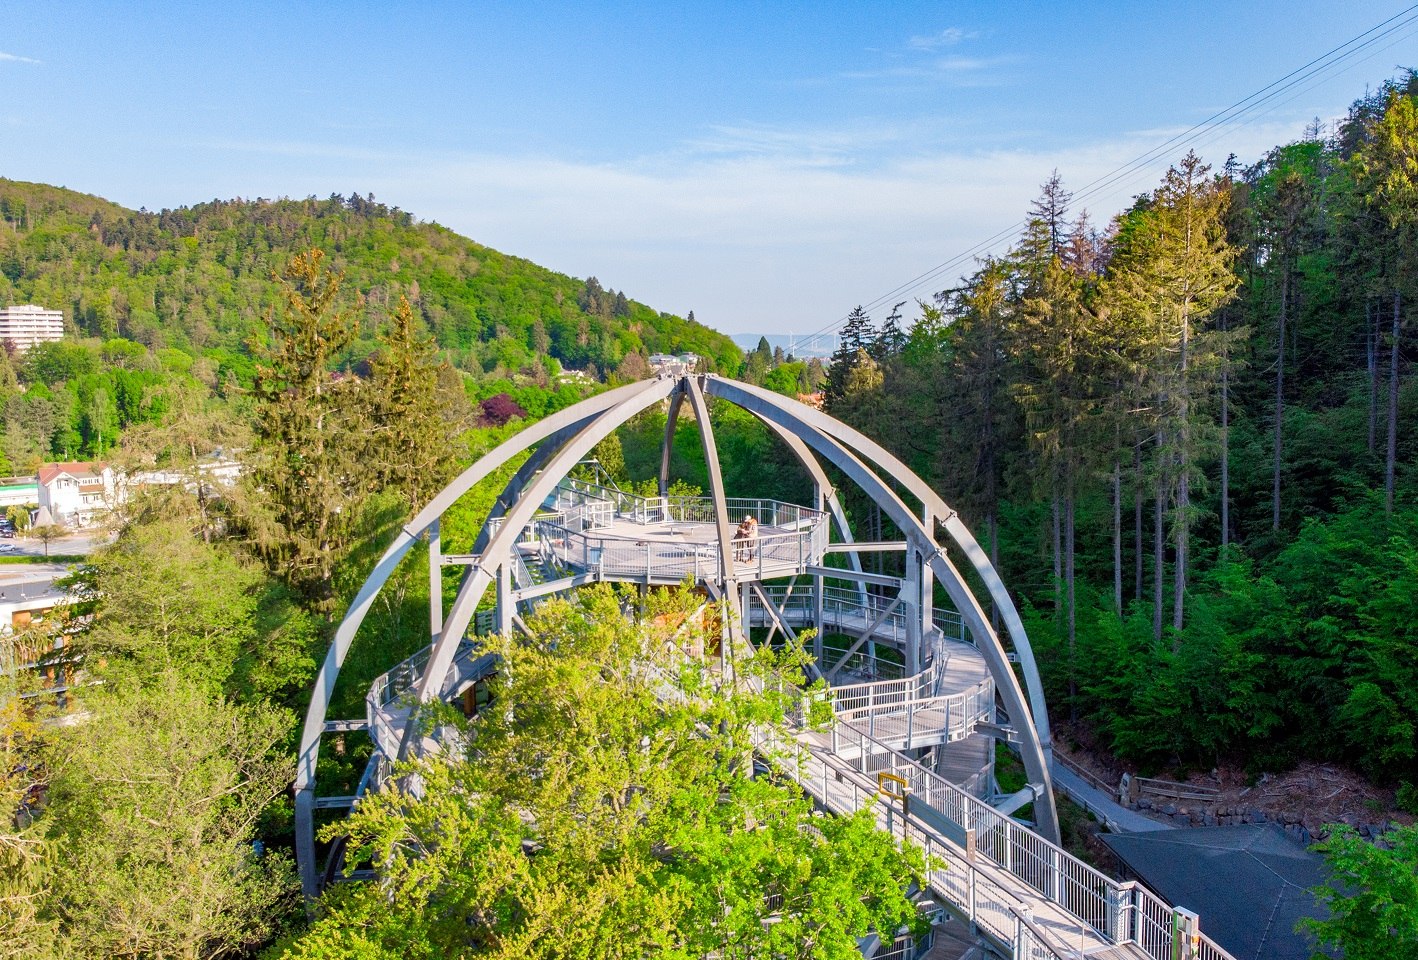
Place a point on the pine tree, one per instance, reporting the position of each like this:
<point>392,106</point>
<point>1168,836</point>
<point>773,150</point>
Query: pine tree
<point>1387,168</point>
<point>855,338</point>
<point>411,441</point>
<point>891,339</point>
<point>310,445</point>
<point>1172,277</point>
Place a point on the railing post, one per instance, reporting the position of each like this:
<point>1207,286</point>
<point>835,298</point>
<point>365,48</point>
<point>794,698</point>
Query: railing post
<point>1056,868</point>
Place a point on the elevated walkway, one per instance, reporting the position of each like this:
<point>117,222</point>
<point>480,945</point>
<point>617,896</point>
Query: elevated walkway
<point>614,535</point>
<point>1023,895</point>
<point>944,703</point>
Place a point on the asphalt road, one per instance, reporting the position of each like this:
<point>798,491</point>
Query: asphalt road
<point>73,545</point>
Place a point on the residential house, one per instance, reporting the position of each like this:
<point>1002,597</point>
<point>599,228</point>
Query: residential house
<point>75,494</point>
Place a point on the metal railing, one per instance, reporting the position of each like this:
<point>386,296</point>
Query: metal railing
<point>387,705</point>
<point>914,712</point>
<point>1119,912</point>
<point>667,560</point>
<point>845,608</point>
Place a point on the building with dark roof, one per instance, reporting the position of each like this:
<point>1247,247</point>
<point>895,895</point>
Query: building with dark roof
<point>1250,883</point>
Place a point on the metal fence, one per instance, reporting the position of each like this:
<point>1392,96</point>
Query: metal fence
<point>653,558</point>
<point>1118,912</point>
<point>915,711</point>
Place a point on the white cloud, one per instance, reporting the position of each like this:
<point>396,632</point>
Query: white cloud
<point>770,241</point>
<point>948,37</point>
<point>16,58</point>
<point>755,228</point>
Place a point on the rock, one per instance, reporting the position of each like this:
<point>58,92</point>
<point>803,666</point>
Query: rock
<point>1169,810</point>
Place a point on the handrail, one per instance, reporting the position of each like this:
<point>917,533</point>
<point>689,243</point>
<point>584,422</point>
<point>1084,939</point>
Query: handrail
<point>772,555</point>
<point>1118,912</point>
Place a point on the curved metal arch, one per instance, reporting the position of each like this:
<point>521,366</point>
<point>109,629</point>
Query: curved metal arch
<point>565,438</point>
<point>499,549</point>
<point>728,575</point>
<point>837,452</point>
<point>947,517</point>
<point>819,477</point>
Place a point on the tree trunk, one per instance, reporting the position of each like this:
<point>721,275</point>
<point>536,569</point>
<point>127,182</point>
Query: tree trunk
<point>1225,444</point>
<point>1371,355</point>
<point>1118,536</point>
<point>1225,459</point>
<point>1179,588</point>
<point>1392,407</point>
<point>1159,560</point>
<point>1058,561</point>
<point>1072,616</point>
<point>1279,401</point>
<point>1137,522</point>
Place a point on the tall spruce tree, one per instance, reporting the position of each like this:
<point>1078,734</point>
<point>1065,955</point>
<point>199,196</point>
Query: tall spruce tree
<point>856,337</point>
<point>410,439</point>
<point>1388,175</point>
<point>1173,277</point>
<point>310,441</point>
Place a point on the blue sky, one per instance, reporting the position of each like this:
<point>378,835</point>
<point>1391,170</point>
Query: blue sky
<point>767,165</point>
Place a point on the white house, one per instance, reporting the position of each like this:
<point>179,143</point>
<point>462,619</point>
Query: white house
<point>76,494</point>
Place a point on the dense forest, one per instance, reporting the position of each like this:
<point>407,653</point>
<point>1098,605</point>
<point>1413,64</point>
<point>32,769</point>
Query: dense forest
<point>198,279</point>
<point>1187,435</point>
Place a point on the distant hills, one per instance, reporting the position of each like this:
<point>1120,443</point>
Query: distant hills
<point>198,279</point>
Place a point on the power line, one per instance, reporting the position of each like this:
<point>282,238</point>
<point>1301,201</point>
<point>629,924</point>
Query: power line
<point>1314,70</point>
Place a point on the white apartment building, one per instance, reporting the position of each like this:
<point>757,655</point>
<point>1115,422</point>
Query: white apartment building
<point>24,326</point>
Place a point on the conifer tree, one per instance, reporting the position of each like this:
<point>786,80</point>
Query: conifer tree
<point>1387,167</point>
<point>309,442</point>
<point>410,439</point>
<point>856,337</point>
<point>1174,274</point>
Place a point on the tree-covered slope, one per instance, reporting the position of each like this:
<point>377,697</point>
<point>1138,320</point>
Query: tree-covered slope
<point>198,278</point>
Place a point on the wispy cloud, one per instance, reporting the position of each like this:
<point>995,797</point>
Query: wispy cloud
<point>16,58</point>
<point>955,69</point>
<point>948,37</point>
<point>807,221</point>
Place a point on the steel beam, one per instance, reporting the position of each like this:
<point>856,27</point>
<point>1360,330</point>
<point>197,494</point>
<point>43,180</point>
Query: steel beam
<point>944,515</point>
<point>811,425</point>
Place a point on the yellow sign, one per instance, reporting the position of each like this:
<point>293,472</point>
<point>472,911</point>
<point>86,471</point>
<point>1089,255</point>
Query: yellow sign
<point>883,778</point>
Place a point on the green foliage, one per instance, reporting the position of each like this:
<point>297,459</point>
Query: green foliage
<point>596,817</point>
<point>195,278</point>
<point>152,809</point>
<point>1372,895</point>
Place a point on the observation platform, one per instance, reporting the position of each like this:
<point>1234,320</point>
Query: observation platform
<point>921,697</point>
<point>610,534</point>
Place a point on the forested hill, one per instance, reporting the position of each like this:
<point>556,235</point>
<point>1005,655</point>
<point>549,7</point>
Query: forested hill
<point>198,279</point>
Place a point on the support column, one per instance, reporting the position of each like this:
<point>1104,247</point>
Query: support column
<point>818,499</point>
<point>506,606</point>
<point>668,445</point>
<point>435,580</point>
<point>912,614</point>
<point>927,578</point>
